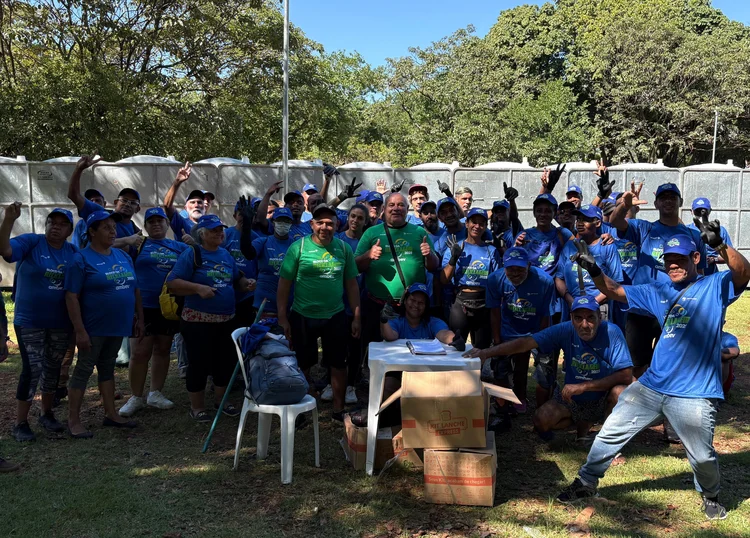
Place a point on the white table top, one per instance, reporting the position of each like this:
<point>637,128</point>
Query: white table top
<point>396,352</point>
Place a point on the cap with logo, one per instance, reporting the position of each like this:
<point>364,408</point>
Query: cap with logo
<point>310,187</point>
<point>546,199</point>
<point>576,189</point>
<point>476,211</point>
<point>128,191</point>
<point>418,287</point>
<point>97,216</point>
<point>680,244</point>
<point>516,257</point>
<point>280,212</point>
<point>155,212</point>
<point>589,211</point>
<point>209,222</point>
<point>362,196</point>
<point>374,196</point>
<point>446,200</point>
<point>668,187</point>
<point>701,203</point>
<point>498,204</point>
<point>585,302</point>
<point>64,212</point>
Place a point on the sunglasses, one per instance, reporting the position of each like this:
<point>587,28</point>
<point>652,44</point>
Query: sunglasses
<point>131,203</point>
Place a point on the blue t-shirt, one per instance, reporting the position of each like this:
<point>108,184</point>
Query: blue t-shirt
<point>650,237</point>
<point>522,308</point>
<point>152,265</point>
<point>425,330</point>
<point>607,258</point>
<point>40,275</point>
<point>106,285</point>
<point>248,267</point>
<point>687,358</point>
<point>218,271</point>
<point>270,252</point>
<point>123,229</point>
<point>728,340</point>
<point>544,248</point>
<point>79,234</point>
<point>360,277</point>
<point>628,252</point>
<point>710,251</point>
<point>411,218</point>
<point>474,266</point>
<point>180,225</point>
<point>306,217</point>
<point>606,354</point>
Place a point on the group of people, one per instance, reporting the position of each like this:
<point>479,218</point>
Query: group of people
<point>636,307</point>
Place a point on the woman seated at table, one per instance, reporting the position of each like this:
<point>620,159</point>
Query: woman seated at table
<point>416,323</point>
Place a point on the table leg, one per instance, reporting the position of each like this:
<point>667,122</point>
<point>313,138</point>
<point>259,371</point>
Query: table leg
<point>377,382</point>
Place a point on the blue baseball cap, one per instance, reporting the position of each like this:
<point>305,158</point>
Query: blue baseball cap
<point>310,187</point>
<point>426,204</point>
<point>64,212</point>
<point>576,189</point>
<point>374,196</point>
<point>209,222</point>
<point>680,244</point>
<point>476,211</point>
<point>92,193</point>
<point>701,203</point>
<point>615,195</point>
<point>255,200</point>
<point>585,302</point>
<point>155,212</point>
<point>589,211</point>
<point>97,216</point>
<point>292,194</point>
<point>546,198</point>
<point>131,192</point>
<point>282,212</point>
<point>362,196</point>
<point>516,257</point>
<point>668,187</point>
<point>446,200</point>
<point>418,287</point>
<point>505,204</point>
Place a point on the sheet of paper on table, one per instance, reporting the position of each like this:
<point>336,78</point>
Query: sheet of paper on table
<point>425,347</point>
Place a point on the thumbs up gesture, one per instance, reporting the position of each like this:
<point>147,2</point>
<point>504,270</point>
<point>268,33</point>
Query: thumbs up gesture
<point>425,247</point>
<point>376,250</point>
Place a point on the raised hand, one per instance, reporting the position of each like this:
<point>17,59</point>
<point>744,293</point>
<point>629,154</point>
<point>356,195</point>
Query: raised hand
<point>388,313</point>
<point>585,259</point>
<point>603,183</point>
<point>381,186</point>
<point>86,161</point>
<point>710,232</point>
<point>553,176</point>
<point>521,239</point>
<point>607,208</point>
<point>456,249</point>
<point>444,188</point>
<point>329,170</point>
<point>183,174</point>
<point>510,192</point>
<point>350,191</point>
<point>273,189</point>
<point>376,251</point>
<point>425,247</point>
<point>630,199</point>
<point>636,191</point>
<point>13,211</point>
<point>398,186</point>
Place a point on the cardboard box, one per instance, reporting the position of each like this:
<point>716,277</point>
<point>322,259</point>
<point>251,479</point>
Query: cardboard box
<point>355,445</point>
<point>409,456</point>
<point>445,409</point>
<point>461,476</point>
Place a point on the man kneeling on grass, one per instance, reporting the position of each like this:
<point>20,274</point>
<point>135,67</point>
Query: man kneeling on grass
<point>597,368</point>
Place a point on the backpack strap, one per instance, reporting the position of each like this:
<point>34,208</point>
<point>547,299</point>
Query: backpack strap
<point>197,257</point>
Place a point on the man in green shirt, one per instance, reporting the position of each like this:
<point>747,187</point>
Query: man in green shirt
<point>375,258</point>
<point>322,268</point>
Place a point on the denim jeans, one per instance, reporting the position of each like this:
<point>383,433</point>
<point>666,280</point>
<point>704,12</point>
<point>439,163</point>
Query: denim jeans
<point>640,407</point>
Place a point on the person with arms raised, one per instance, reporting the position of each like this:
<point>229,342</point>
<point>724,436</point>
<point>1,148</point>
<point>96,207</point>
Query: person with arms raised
<point>700,207</point>
<point>195,207</point>
<point>294,202</point>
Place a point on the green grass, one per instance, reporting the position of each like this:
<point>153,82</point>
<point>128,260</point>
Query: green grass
<point>155,481</point>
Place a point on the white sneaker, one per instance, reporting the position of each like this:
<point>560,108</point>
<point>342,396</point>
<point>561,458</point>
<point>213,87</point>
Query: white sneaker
<point>351,395</point>
<point>327,395</point>
<point>132,406</point>
<point>158,400</point>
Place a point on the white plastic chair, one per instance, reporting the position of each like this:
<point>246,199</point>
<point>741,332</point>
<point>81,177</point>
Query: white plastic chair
<point>287,414</point>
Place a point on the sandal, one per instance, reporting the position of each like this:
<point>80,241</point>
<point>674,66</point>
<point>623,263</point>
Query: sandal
<point>200,416</point>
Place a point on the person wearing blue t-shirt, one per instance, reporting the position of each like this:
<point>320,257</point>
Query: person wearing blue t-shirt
<point>79,238</point>
<point>195,205</point>
<point>104,305</point>
<point>684,379</point>
<point>520,298</point>
<point>416,322</point>
<point>544,242</point>
<point>207,278</point>
<point>429,221</point>
<point>449,215</point>
<point>466,266</point>
<point>153,261</point>
<point>650,238</point>
<point>41,322</point>
<point>295,203</point>
<point>504,223</point>
<point>700,207</point>
<point>730,350</point>
<point>574,195</point>
<point>418,195</point>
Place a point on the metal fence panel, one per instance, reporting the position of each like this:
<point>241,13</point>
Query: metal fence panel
<point>721,187</point>
<point>428,177</point>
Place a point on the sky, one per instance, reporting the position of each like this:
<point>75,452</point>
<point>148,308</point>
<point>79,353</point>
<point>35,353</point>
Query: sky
<point>380,29</point>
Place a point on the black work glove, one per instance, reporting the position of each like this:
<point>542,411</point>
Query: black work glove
<point>387,314</point>
<point>510,192</point>
<point>554,177</point>
<point>497,236</point>
<point>585,259</point>
<point>398,186</point>
<point>444,188</point>
<point>710,231</point>
<point>329,170</point>
<point>607,208</point>
<point>247,211</point>
<point>603,183</point>
<point>455,249</point>
<point>350,190</point>
<point>458,342</point>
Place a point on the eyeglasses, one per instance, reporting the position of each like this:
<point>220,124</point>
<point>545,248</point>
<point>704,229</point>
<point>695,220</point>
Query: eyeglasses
<point>131,203</point>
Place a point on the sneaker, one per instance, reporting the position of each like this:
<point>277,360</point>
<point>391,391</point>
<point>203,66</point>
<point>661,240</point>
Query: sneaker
<point>50,423</point>
<point>229,410</point>
<point>158,400</point>
<point>576,492</point>
<point>200,416</point>
<point>22,432</point>
<point>521,408</point>
<point>8,467</point>
<point>351,395</point>
<point>327,394</point>
<point>132,406</point>
<point>713,509</point>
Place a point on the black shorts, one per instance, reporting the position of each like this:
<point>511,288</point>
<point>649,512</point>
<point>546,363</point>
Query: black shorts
<point>158,325</point>
<point>332,333</point>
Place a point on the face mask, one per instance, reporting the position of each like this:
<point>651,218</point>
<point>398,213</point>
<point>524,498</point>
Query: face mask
<point>282,228</point>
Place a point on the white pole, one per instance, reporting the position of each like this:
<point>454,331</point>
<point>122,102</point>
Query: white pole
<point>285,112</point>
<point>716,127</point>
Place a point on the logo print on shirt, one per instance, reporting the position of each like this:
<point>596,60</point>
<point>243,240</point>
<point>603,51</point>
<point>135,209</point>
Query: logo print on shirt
<point>164,257</point>
<point>219,274</point>
<point>327,265</point>
<point>678,319</point>
<point>476,270</point>
<point>403,248</point>
<point>120,276</point>
<point>586,363</point>
<point>522,309</point>
<point>55,277</point>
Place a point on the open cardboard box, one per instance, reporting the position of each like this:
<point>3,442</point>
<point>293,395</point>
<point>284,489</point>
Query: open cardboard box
<point>447,409</point>
<point>354,444</point>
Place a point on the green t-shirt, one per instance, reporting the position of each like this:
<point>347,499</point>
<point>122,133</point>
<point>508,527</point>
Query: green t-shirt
<point>318,274</point>
<point>382,278</point>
